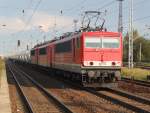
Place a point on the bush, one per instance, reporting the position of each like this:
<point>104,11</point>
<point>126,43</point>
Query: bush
<point>137,73</point>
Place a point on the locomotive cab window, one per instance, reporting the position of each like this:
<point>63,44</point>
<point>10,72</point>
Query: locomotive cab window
<point>42,51</point>
<point>32,52</point>
<point>110,43</point>
<point>63,47</point>
<point>78,42</point>
<point>101,42</point>
<point>93,42</point>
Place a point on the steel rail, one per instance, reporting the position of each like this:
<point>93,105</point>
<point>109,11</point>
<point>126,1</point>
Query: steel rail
<point>138,82</point>
<point>119,102</point>
<point>109,98</point>
<point>48,94</point>
<point>129,95</point>
<point>24,98</point>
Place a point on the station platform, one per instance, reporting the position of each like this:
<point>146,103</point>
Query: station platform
<point>5,106</point>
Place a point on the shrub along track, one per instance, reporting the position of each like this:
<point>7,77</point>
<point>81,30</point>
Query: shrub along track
<point>36,99</point>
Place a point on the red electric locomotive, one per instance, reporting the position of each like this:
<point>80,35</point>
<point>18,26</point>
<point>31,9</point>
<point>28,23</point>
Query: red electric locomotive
<point>92,57</point>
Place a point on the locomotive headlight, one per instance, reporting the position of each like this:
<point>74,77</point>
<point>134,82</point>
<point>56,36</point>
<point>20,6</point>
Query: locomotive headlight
<point>113,63</point>
<point>91,74</point>
<point>91,63</point>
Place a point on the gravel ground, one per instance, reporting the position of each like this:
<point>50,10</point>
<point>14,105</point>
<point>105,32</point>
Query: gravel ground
<point>127,100</point>
<point>16,104</point>
<point>38,101</point>
<point>136,89</point>
<point>79,101</point>
<point>86,102</point>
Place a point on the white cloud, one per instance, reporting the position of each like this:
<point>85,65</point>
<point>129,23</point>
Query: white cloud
<point>12,24</point>
<point>47,21</point>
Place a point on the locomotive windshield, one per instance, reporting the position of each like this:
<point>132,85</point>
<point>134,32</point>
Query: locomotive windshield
<point>93,42</point>
<point>97,42</point>
<point>110,43</point>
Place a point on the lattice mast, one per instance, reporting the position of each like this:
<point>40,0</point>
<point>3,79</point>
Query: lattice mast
<point>120,23</point>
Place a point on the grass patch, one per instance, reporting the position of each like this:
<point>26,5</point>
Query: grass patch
<point>1,68</point>
<point>137,73</point>
<point>1,64</point>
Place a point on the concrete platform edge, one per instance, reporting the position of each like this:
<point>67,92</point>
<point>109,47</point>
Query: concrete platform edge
<point>5,106</point>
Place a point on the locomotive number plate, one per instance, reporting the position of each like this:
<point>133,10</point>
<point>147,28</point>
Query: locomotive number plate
<point>102,63</point>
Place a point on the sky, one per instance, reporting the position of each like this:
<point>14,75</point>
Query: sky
<point>33,21</point>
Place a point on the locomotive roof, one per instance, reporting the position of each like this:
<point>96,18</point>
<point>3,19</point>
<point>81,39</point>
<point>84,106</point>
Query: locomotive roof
<point>73,35</point>
<point>61,38</point>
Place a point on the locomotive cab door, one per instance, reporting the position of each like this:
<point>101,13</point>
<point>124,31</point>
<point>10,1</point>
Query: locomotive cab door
<point>74,49</point>
<point>50,57</point>
<point>36,54</point>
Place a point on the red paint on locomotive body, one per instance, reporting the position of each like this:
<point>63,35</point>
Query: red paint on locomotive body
<point>91,55</point>
<point>102,49</point>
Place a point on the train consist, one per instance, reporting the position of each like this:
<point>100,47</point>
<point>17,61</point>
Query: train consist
<point>93,57</point>
<point>89,57</point>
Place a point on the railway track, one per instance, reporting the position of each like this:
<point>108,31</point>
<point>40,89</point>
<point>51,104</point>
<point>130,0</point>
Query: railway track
<point>28,107</point>
<point>144,67</point>
<point>80,99</point>
<point>122,98</point>
<point>51,103</point>
<point>138,82</point>
<point>135,103</point>
<point>129,101</point>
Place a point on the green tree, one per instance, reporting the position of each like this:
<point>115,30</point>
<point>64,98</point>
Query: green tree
<point>136,47</point>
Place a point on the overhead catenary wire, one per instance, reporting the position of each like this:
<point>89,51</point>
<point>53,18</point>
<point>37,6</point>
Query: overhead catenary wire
<point>34,11</point>
<point>134,20</point>
<point>69,9</point>
<point>141,2</point>
<point>77,5</point>
<point>19,8</point>
<point>105,5</point>
<point>135,4</point>
<point>137,19</point>
<point>30,18</point>
<point>134,9</point>
<point>80,6</point>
